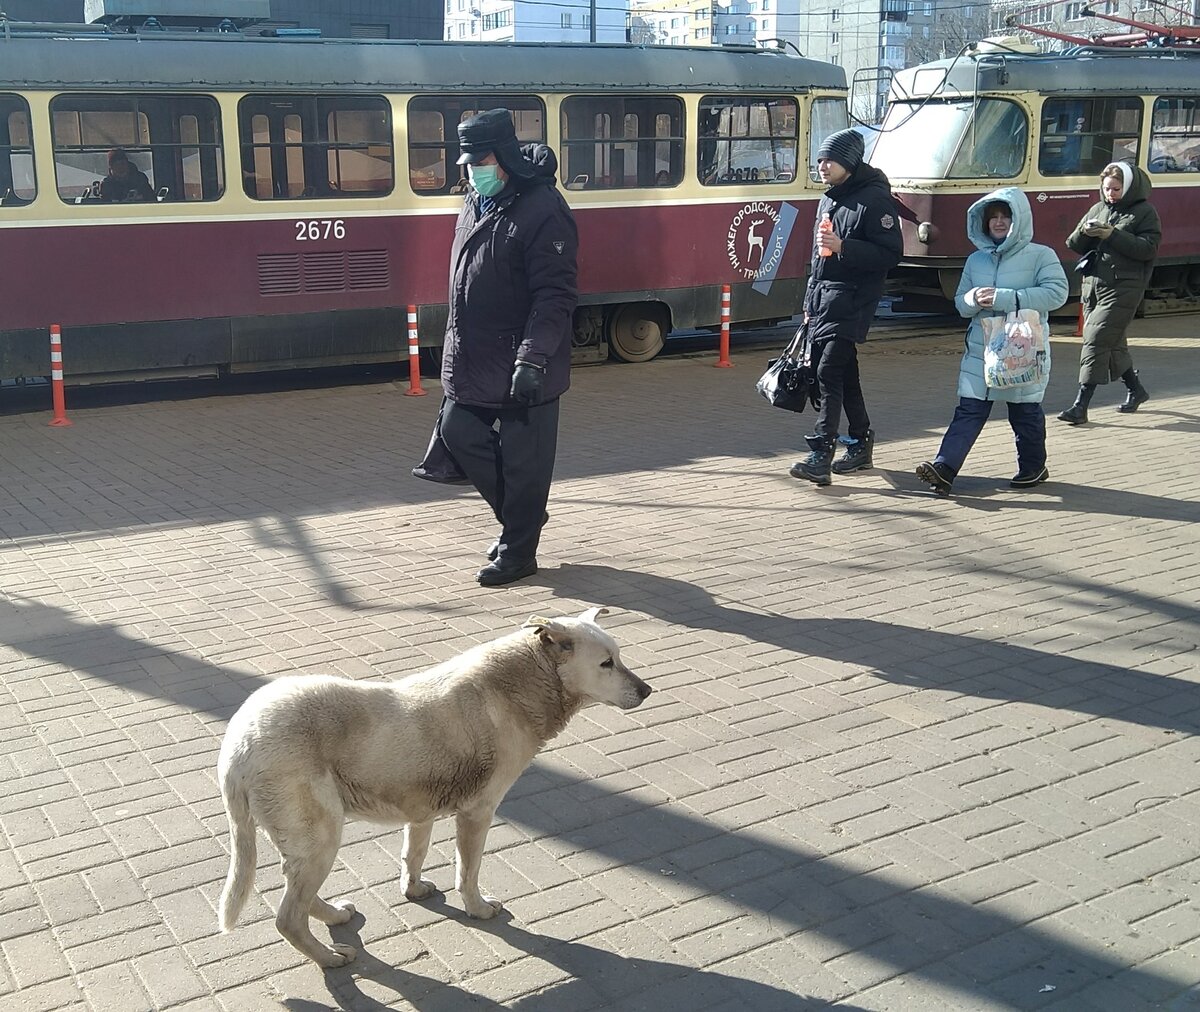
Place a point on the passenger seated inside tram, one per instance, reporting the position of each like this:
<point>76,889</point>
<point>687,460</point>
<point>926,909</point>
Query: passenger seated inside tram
<point>125,182</point>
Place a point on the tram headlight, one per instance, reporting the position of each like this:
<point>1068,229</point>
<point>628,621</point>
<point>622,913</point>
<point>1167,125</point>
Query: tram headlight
<point>927,232</point>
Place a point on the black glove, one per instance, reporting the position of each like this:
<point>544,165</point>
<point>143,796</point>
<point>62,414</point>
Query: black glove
<point>527,383</point>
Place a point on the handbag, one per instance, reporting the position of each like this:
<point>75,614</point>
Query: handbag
<point>439,464</point>
<point>1014,350</point>
<point>1085,266</point>
<point>790,381</point>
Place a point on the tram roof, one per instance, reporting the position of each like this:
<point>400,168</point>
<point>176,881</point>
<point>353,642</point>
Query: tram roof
<point>1085,70</point>
<point>114,62</point>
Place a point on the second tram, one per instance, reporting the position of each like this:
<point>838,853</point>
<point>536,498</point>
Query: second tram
<point>1006,115</point>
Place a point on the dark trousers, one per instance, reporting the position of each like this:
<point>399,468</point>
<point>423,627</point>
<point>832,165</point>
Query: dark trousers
<point>508,453</point>
<point>1028,423</point>
<point>837,376</point>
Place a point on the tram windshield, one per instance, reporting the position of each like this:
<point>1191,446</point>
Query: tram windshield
<point>952,140</point>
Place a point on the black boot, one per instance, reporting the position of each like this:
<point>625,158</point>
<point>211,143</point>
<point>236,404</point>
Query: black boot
<point>815,467</point>
<point>858,455</point>
<point>1136,396</point>
<point>1076,414</point>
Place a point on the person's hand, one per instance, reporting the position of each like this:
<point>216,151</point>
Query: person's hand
<point>831,241</point>
<point>527,383</point>
<point>985,297</point>
<point>1097,230</point>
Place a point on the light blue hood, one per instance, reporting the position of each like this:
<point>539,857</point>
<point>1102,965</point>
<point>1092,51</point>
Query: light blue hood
<point>1021,234</point>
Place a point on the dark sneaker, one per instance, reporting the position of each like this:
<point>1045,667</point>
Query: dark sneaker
<point>1027,479</point>
<point>937,476</point>
<point>502,571</point>
<point>858,455</point>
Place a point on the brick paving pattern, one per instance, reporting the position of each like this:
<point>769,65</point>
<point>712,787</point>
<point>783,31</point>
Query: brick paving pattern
<point>905,752</point>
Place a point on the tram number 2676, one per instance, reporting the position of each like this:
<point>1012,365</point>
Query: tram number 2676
<point>323,228</point>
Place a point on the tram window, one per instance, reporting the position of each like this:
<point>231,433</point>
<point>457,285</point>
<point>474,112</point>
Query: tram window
<point>17,183</point>
<point>747,140</point>
<point>1175,135</point>
<point>993,145</point>
<point>616,142</point>
<point>175,140</point>
<point>297,147</point>
<point>952,140</point>
<point>1082,135</point>
<point>433,135</point>
<point>829,115</point>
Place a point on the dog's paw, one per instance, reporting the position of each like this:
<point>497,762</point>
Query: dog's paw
<point>339,955</point>
<point>485,908</point>
<point>420,889</point>
<point>344,911</point>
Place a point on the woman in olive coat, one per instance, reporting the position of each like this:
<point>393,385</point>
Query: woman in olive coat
<point>1122,233</point>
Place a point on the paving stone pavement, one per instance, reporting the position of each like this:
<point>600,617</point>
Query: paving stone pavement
<point>904,752</point>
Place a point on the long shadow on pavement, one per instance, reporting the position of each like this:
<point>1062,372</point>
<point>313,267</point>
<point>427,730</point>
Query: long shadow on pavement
<point>597,978</point>
<point>941,934</point>
<point>105,653</point>
<point>924,658</point>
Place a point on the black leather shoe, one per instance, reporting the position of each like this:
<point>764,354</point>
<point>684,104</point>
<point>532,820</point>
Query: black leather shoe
<point>494,548</point>
<point>502,571</point>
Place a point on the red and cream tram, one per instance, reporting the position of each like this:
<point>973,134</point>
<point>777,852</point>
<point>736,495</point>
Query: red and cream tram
<point>306,191</point>
<point>1005,115</point>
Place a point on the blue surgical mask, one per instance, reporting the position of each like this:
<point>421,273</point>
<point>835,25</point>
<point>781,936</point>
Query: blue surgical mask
<point>486,179</point>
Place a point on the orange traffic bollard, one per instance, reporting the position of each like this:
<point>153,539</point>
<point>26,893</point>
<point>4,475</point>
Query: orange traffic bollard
<point>723,361</point>
<point>414,357</point>
<point>56,377</point>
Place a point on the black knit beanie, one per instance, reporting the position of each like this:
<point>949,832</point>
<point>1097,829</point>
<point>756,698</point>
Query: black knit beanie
<point>844,147</point>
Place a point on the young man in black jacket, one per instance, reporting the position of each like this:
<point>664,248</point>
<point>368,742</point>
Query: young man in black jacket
<point>849,262</point>
<point>507,354</point>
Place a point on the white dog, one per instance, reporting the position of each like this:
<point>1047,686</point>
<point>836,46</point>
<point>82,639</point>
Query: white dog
<point>306,752</point>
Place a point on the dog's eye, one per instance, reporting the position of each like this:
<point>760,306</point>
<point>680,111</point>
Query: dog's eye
<point>607,664</point>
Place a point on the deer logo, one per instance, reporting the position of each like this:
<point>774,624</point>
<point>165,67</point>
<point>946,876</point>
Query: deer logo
<point>753,240</point>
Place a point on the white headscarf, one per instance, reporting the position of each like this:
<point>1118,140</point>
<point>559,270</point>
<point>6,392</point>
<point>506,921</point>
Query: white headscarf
<point>1126,177</point>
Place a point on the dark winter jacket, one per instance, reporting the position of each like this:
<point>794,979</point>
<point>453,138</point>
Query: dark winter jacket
<point>1124,262</point>
<point>1126,258</point>
<point>844,289</point>
<point>513,288</point>
<point>133,186</point>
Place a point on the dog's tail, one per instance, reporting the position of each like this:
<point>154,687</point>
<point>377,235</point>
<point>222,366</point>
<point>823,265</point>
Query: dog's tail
<point>243,855</point>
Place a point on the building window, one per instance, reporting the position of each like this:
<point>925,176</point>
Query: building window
<point>833,38</point>
<point>175,140</point>
<point>565,19</point>
<point>835,15</point>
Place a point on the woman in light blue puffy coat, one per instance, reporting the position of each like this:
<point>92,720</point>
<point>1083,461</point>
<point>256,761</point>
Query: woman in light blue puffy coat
<point>1008,272</point>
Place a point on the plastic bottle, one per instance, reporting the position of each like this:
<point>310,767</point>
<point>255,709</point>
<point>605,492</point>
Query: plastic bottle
<point>826,226</point>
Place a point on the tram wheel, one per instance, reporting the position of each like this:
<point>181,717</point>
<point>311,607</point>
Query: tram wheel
<point>637,331</point>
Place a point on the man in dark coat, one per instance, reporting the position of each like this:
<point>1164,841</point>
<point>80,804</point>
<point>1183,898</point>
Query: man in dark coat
<point>125,182</point>
<point>507,354</point>
<point>851,256</point>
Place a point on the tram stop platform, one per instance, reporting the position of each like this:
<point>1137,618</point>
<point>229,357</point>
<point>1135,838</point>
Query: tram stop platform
<point>904,752</point>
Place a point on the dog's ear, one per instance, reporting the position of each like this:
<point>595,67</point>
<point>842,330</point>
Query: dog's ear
<point>592,614</point>
<point>550,632</point>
